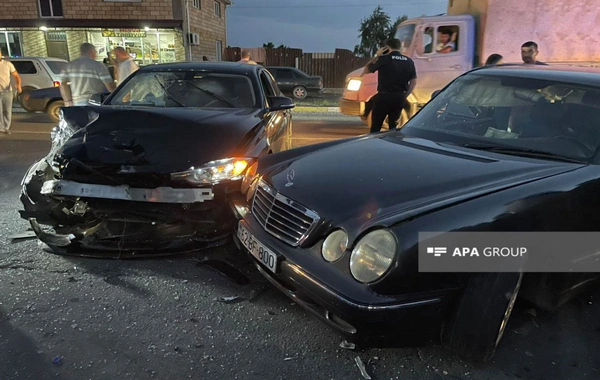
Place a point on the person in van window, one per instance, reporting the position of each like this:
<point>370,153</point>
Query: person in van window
<point>446,44</point>
<point>7,72</point>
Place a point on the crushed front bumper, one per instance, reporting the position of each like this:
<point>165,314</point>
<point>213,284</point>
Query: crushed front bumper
<point>122,221</point>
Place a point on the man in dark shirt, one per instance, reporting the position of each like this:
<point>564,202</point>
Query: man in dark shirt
<point>529,52</point>
<point>397,78</point>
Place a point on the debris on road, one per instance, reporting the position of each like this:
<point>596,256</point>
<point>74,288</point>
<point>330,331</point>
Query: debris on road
<point>361,366</point>
<point>347,346</point>
<point>229,299</point>
<point>57,360</point>
<point>27,235</point>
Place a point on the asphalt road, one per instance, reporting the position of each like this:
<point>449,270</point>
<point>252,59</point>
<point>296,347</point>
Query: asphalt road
<point>72,319</point>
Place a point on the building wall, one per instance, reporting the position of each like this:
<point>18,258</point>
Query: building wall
<point>91,9</point>
<point>210,27</point>
<point>74,40</point>
<point>35,45</point>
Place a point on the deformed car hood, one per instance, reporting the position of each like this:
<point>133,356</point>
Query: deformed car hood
<point>159,140</point>
<point>368,179</point>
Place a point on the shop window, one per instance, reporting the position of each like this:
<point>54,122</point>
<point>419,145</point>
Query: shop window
<point>217,9</point>
<point>51,8</point>
<point>196,4</point>
<point>10,44</point>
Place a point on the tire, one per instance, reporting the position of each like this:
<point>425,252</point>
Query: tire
<point>21,98</point>
<point>477,324</point>
<point>53,110</point>
<point>299,92</point>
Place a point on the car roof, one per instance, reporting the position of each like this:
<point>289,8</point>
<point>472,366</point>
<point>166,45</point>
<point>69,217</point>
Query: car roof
<point>36,58</point>
<point>221,66</point>
<point>571,74</point>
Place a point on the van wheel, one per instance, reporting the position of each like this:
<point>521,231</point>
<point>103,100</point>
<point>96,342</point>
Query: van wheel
<point>477,324</point>
<point>21,98</point>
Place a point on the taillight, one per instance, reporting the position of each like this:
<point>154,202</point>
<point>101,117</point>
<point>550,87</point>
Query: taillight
<point>56,83</point>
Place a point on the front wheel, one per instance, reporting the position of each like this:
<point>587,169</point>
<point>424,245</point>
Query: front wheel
<point>53,110</point>
<point>477,324</point>
<point>299,92</point>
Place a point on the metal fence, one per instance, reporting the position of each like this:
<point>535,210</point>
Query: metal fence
<point>333,67</point>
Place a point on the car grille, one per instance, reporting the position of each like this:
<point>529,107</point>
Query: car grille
<point>281,216</point>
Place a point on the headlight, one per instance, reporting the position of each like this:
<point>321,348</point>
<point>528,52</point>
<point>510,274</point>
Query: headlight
<point>213,172</point>
<point>248,177</point>
<point>335,245</point>
<point>373,255</point>
<point>353,84</point>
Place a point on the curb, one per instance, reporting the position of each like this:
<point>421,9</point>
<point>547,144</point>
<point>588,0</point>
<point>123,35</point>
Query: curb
<point>316,109</point>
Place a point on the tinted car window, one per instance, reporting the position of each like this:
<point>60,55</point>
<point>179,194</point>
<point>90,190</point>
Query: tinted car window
<point>56,66</point>
<point>186,89</point>
<point>25,67</point>
<point>285,75</point>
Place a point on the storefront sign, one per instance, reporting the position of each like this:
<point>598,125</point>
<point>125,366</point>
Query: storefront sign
<point>123,33</point>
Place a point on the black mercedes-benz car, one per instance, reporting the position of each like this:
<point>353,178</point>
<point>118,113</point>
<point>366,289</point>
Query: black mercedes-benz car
<point>337,226</point>
<point>151,168</point>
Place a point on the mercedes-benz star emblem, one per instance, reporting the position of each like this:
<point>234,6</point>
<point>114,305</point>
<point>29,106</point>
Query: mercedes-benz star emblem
<point>290,177</point>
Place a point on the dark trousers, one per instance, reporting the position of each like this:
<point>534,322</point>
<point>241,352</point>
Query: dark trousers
<point>387,104</point>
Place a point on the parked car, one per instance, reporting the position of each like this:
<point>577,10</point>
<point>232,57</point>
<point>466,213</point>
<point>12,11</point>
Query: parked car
<point>150,169</point>
<point>37,73</point>
<point>296,82</point>
<point>336,225</point>
<point>48,100</point>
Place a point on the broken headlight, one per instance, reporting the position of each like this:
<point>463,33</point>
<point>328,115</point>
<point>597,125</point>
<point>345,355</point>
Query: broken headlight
<point>61,133</point>
<point>229,169</point>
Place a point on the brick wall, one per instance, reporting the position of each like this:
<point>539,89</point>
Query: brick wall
<point>74,41</point>
<point>91,9</point>
<point>210,27</point>
<point>19,9</point>
<point>36,44</point>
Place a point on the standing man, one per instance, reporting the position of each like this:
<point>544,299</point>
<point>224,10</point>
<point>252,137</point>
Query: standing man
<point>397,78</point>
<point>7,71</point>
<point>84,77</point>
<point>529,52</point>
<point>246,58</point>
<point>125,65</point>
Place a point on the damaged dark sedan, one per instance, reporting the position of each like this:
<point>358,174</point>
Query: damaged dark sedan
<point>152,168</point>
<point>337,226</point>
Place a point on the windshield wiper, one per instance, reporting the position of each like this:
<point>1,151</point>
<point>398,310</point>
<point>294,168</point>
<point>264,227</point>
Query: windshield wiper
<point>167,93</point>
<point>525,152</point>
<point>216,96</point>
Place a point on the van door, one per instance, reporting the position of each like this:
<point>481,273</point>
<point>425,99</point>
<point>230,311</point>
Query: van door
<point>443,51</point>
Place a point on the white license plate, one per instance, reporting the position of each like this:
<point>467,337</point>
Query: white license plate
<point>256,248</point>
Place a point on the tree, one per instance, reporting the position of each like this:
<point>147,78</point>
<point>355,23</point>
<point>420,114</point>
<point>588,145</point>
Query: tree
<point>394,26</point>
<point>373,31</point>
<point>269,45</point>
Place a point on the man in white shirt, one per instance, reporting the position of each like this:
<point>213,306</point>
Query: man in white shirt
<point>125,65</point>
<point>7,71</point>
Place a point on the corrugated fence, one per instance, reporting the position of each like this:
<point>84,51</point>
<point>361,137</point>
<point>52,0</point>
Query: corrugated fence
<point>333,67</point>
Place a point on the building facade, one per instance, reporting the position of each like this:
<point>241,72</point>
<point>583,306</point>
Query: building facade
<point>152,31</point>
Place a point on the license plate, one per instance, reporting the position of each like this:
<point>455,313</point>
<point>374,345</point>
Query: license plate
<point>256,248</point>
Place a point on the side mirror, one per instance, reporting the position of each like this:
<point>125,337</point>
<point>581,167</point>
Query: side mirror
<point>435,93</point>
<point>97,99</point>
<point>279,103</point>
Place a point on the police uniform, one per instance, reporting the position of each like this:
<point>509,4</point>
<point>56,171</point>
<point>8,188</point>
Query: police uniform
<point>394,71</point>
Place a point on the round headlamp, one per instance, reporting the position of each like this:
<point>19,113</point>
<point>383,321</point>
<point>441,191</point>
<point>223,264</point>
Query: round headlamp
<point>373,255</point>
<point>335,245</point>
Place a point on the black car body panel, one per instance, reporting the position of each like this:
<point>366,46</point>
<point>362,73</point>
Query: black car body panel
<point>413,180</point>
<point>119,180</point>
<point>38,100</point>
<point>289,77</point>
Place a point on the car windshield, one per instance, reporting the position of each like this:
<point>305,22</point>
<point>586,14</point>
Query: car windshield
<point>405,35</point>
<point>197,89</point>
<point>56,66</point>
<point>513,113</point>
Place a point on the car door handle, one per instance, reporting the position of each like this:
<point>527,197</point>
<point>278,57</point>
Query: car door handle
<point>456,66</point>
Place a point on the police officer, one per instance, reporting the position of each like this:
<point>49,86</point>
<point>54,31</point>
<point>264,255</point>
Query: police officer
<point>397,78</point>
